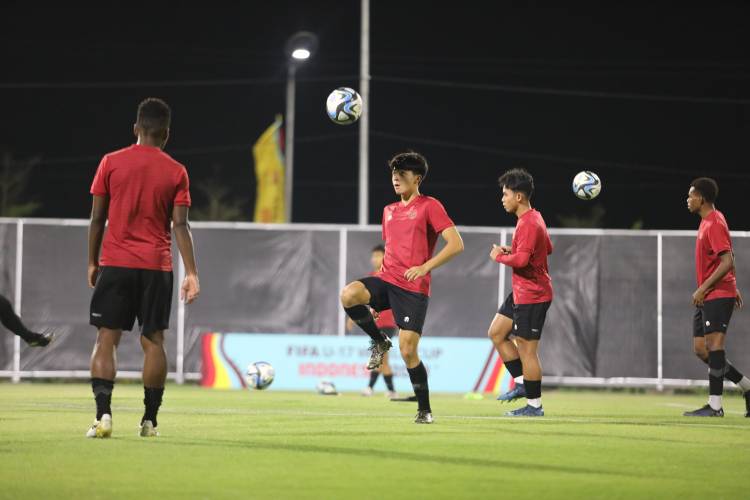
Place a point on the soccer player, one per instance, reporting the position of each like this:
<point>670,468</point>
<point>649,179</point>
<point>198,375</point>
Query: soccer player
<point>717,295</point>
<point>12,322</point>
<point>524,311</point>
<point>140,190</point>
<point>410,231</point>
<point>385,322</point>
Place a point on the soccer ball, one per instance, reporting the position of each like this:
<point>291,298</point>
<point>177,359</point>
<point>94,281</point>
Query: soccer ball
<point>259,375</point>
<point>586,185</point>
<point>344,106</point>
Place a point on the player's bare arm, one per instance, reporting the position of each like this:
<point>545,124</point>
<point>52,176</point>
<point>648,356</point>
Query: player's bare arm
<point>454,245</point>
<point>99,209</point>
<point>190,288</point>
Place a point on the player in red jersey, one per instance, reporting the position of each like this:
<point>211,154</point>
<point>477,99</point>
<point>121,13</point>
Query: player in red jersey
<point>716,297</point>
<point>140,190</point>
<point>387,324</point>
<point>524,311</point>
<point>410,231</point>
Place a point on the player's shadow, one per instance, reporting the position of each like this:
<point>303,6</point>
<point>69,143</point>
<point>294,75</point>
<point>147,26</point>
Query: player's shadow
<point>372,453</point>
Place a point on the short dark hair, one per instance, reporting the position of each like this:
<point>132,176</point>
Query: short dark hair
<point>518,180</point>
<point>378,248</point>
<point>707,187</point>
<point>154,117</point>
<point>410,160</point>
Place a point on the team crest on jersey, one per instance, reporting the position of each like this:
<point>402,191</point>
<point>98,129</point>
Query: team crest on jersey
<point>412,214</point>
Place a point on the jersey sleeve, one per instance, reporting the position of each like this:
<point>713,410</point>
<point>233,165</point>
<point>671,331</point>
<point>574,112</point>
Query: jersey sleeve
<point>525,238</point>
<point>718,238</point>
<point>437,217</point>
<point>182,196</point>
<point>382,225</point>
<point>100,186</point>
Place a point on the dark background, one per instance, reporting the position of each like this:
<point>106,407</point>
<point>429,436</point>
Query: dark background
<point>71,79</point>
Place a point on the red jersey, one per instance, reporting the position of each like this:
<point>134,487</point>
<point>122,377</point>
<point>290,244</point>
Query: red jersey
<point>143,184</point>
<point>410,233</point>
<point>713,240</point>
<point>531,283</point>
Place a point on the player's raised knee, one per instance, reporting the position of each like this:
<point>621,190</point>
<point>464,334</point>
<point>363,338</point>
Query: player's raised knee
<point>353,294</point>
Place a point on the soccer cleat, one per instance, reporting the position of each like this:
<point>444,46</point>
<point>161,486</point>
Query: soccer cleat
<point>40,339</point>
<point>423,417</point>
<point>704,411</point>
<point>391,394</point>
<point>516,393</point>
<point>367,391</point>
<point>101,428</point>
<point>526,411</point>
<point>148,429</point>
<point>378,350</point>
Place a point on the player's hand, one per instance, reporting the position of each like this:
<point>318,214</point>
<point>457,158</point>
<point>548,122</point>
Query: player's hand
<point>375,314</point>
<point>738,300</point>
<point>416,272</point>
<point>190,289</point>
<point>93,273</point>
<point>498,250</point>
<point>698,297</point>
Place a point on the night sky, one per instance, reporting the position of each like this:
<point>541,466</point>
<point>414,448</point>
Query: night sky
<point>648,98</point>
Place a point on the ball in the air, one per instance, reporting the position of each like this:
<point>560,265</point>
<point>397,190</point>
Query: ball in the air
<point>587,185</point>
<point>344,106</point>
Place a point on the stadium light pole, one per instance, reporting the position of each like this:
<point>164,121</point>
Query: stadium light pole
<point>364,120</point>
<point>299,48</point>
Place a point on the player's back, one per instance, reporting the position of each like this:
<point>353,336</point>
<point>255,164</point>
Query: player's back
<point>143,184</point>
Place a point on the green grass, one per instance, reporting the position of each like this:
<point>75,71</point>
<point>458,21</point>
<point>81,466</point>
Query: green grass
<point>295,445</point>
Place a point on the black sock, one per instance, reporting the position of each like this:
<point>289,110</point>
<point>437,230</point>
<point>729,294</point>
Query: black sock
<point>418,377</point>
<point>363,317</point>
<point>374,378</point>
<point>11,321</point>
<point>152,401</point>
<point>102,389</point>
<point>514,366</point>
<point>716,368</point>
<point>533,388</point>
<point>389,382</point>
<point>730,372</point>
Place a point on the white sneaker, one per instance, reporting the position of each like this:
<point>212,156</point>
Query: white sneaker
<point>148,429</point>
<point>367,391</point>
<point>101,428</point>
<point>391,394</point>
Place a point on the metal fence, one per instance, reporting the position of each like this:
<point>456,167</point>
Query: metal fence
<point>621,316</point>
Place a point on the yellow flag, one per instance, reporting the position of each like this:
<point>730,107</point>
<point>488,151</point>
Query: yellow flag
<point>269,175</point>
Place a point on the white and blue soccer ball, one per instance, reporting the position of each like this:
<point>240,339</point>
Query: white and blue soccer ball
<point>587,185</point>
<point>344,106</point>
<point>259,375</point>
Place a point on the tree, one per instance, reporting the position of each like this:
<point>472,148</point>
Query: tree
<point>14,177</point>
<point>218,206</point>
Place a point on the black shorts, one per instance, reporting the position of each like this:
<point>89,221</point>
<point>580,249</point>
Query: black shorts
<point>122,294</point>
<point>409,308</point>
<point>528,319</point>
<point>713,316</point>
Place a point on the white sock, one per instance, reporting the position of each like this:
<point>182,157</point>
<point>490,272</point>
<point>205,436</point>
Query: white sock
<point>714,402</point>
<point>519,380</point>
<point>537,403</point>
<point>744,384</point>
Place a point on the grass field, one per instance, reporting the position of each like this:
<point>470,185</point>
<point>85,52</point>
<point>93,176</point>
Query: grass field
<point>295,445</point>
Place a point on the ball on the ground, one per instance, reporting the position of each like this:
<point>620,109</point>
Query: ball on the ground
<point>344,106</point>
<point>259,375</point>
<point>587,185</point>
